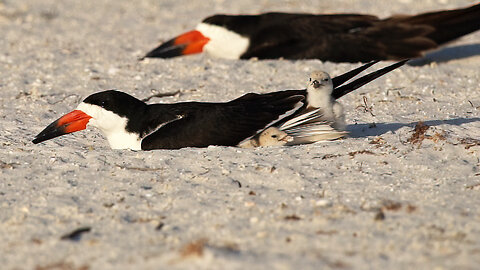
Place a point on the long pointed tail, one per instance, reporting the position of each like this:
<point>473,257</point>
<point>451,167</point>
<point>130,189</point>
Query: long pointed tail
<point>347,88</point>
<point>448,24</point>
<point>341,79</point>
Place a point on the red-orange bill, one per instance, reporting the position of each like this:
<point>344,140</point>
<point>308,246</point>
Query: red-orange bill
<point>71,122</point>
<point>187,43</point>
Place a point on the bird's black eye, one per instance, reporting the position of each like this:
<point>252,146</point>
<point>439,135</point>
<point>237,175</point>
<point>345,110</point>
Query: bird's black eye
<point>274,136</point>
<point>316,84</point>
<point>325,80</point>
<point>309,79</point>
<point>103,103</point>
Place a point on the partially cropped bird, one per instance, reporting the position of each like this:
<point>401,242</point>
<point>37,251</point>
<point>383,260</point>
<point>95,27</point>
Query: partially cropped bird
<point>336,37</point>
<point>129,123</point>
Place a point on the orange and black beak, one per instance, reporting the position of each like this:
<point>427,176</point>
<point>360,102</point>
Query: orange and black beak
<point>187,43</point>
<point>71,122</point>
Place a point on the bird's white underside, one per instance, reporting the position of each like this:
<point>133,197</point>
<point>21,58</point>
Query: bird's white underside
<point>321,97</point>
<point>223,42</point>
<point>112,126</point>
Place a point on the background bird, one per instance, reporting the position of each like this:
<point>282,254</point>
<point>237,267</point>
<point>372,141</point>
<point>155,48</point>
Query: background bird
<point>336,38</point>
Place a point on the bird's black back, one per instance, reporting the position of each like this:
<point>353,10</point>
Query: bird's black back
<point>204,124</point>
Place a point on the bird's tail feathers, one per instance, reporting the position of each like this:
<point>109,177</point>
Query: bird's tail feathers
<point>448,24</point>
<point>347,88</point>
<point>341,79</point>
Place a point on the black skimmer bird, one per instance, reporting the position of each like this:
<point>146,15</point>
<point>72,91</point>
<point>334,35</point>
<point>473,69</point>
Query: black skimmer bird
<point>336,37</point>
<point>129,123</point>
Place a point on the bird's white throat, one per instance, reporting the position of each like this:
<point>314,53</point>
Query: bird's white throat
<point>320,97</point>
<point>223,42</point>
<point>112,126</point>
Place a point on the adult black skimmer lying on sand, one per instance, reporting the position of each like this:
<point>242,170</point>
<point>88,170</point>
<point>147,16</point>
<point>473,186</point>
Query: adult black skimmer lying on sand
<point>336,38</point>
<point>129,123</point>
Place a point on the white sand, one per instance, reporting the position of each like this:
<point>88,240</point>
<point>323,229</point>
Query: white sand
<point>305,207</point>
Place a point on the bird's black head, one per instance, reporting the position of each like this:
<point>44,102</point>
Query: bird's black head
<point>240,24</point>
<point>248,25</point>
<point>115,113</point>
<point>117,102</point>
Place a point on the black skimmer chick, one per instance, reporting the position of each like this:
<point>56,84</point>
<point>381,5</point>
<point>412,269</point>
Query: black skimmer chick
<point>271,136</point>
<point>129,123</point>
<point>320,89</point>
<point>336,38</point>
<point>304,128</point>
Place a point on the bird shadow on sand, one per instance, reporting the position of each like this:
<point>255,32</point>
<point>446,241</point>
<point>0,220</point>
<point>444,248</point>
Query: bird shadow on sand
<point>364,130</point>
<point>447,54</point>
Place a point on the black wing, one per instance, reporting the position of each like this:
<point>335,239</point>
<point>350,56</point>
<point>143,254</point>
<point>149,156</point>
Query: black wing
<point>204,124</point>
<point>359,38</point>
<point>448,24</point>
<point>340,38</point>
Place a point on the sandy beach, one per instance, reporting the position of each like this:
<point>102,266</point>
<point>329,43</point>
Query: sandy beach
<point>401,192</point>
